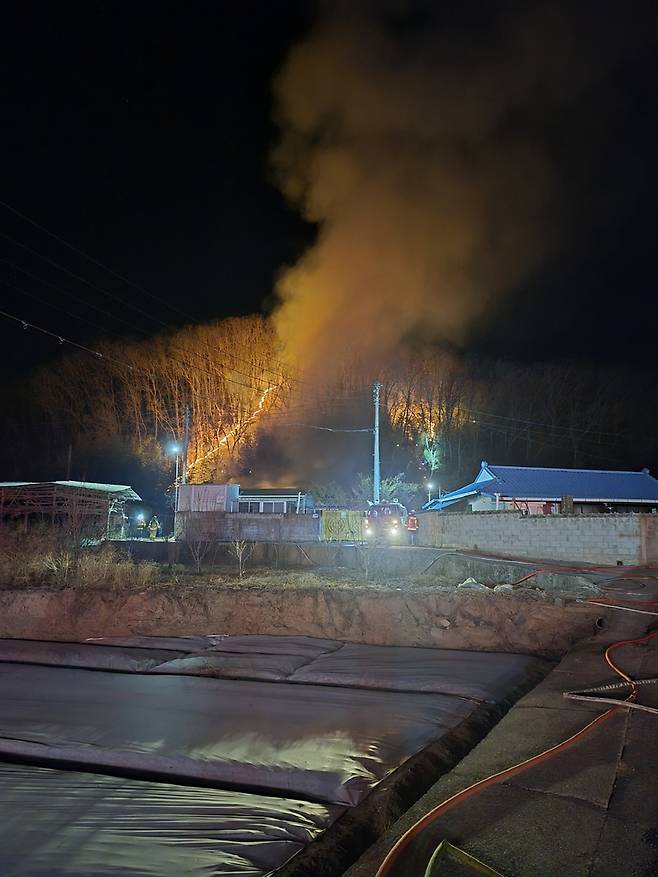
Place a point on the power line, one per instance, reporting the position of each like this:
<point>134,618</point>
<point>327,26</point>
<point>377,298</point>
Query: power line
<point>541,440</point>
<point>112,316</point>
<point>79,277</point>
<point>47,303</point>
<point>126,323</point>
<point>501,429</point>
<point>326,428</point>
<point>537,423</point>
<point>99,355</point>
<point>26,324</point>
<point>548,426</point>
<point>97,262</point>
<point>576,434</point>
<point>111,271</point>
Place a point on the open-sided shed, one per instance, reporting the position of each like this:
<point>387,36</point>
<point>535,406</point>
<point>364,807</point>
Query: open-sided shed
<point>89,505</point>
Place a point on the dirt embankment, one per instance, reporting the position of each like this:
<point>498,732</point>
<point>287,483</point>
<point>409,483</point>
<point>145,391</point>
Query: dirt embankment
<point>376,614</point>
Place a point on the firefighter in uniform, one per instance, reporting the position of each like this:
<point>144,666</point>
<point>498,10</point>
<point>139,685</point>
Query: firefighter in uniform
<point>412,527</point>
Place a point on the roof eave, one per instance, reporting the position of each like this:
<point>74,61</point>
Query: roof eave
<point>518,498</point>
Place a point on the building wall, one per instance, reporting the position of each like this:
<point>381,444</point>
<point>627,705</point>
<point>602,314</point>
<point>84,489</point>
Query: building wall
<point>604,539</point>
<point>206,497</point>
<point>224,527</point>
<point>479,503</point>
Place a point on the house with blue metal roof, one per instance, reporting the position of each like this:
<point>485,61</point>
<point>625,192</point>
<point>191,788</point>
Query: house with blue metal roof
<point>550,491</point>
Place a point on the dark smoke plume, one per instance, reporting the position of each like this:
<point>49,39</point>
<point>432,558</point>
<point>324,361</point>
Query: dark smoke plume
<point>421,138</point>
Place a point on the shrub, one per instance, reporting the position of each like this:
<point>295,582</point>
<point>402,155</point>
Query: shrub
<point>44,557</point>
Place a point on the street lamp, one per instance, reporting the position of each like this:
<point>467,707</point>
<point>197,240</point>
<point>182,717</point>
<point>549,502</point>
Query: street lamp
<point>175,449</point>
<point>430,488</point>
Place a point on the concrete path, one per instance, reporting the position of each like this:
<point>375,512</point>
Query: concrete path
<point>589,811</point>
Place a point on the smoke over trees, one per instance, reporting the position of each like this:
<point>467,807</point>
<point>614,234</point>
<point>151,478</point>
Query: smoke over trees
<point>422,139</point>
<point>443,152</point>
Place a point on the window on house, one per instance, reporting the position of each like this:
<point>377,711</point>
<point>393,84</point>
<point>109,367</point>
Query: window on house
<point>243,506</point>
<point>254,508</point>
<point>268,508</point>
<point>279,508</point>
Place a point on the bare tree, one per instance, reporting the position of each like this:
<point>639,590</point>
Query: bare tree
<point>197,537</point>
<point>242,551</point>
<point>364,556</point>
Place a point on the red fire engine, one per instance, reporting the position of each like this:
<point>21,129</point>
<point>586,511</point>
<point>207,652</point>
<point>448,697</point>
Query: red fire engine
<point>385,522</point>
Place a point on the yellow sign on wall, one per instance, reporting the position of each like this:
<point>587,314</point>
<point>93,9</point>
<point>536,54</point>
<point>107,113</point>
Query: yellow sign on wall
<point>342,525</point>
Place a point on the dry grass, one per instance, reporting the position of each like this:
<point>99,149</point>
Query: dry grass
<point>43,557</point>
<point>268,579</point>
<point>111,567</point>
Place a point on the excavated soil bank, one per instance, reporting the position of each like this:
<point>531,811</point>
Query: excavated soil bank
<point>378,615</point>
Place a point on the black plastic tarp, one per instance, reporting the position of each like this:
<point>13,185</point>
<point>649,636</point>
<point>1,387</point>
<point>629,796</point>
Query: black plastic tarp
<point>482,676</point>
<point>65,654</point>
<point>325,743</point>
<point>129,724</point>
<point>192,656</point>
<point>304,646</point>
<point>55,823</point>
<point>240,666</point>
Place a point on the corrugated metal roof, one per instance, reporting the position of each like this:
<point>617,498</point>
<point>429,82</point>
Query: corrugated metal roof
<point>125,489</point>
<point>533,483</point>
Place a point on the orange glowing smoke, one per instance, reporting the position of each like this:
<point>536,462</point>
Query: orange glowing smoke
<point>411,140</point>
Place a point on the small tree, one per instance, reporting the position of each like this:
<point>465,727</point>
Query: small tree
<point>329,494</point>
<point>364,556</point>
<point>242,551</point>
<point>433,452</point>
<point>390,489</point>
<point>197,540</point>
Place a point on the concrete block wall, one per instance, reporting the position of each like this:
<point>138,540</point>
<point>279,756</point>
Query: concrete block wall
<point>604,539</point>
<point>649,528</point>
<point>224,527</point>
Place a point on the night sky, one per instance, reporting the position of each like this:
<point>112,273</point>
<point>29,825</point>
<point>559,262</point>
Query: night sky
<point>140,133</point>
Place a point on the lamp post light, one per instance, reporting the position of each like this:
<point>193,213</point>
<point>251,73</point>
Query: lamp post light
<point>430,488</point>
<point>175,449</point>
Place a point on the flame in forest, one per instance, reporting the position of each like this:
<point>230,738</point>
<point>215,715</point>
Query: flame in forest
<point>424,416</point>
<point>221,444</point>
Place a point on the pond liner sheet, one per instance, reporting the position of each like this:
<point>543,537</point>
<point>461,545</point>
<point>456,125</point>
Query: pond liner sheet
<point>324,743</point>
<point>295,659</point>
<point>482,677</point>
<point>123,659</point>
<point>305,646</point>
<point>109,727</point>
<point>58,822</point>
<point>65,654</point>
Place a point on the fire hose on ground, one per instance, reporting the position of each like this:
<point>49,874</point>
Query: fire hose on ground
<point>395,853</point>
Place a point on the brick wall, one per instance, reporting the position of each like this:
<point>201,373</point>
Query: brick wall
<point>604,539</point>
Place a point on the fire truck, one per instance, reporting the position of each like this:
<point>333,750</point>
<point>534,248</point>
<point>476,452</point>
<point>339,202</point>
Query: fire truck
<point>386,522</point>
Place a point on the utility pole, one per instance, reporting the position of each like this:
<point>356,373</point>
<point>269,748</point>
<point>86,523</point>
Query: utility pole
<point>376,475</point>
<point>176,491</point>
<point>186,442</point>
